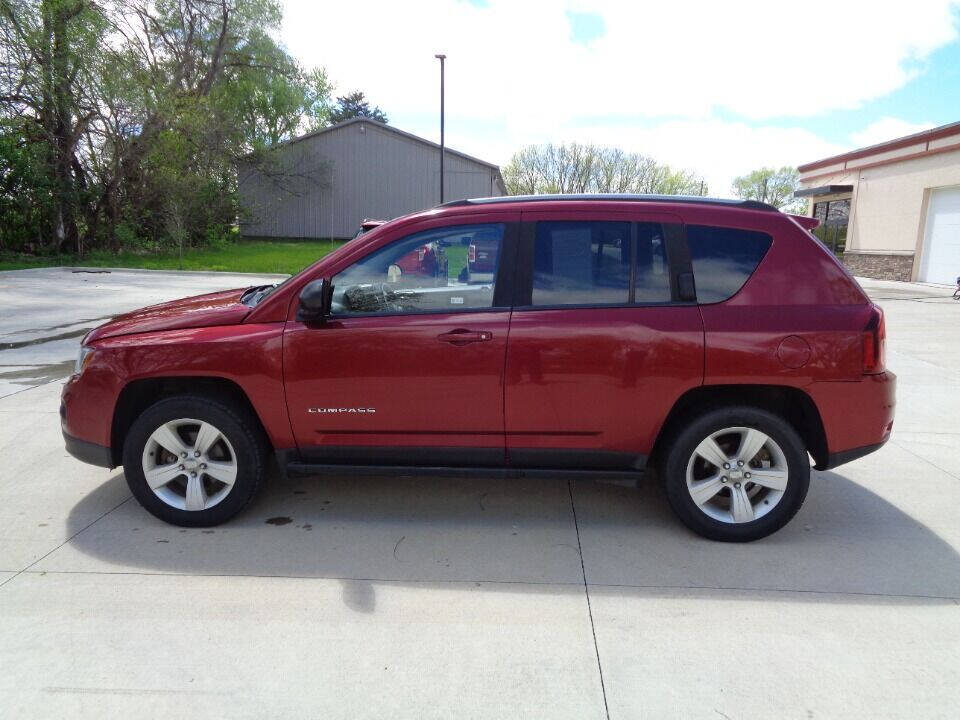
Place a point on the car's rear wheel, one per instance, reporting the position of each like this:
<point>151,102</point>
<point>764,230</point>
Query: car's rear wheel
<point>192,461</point>
<point>736,474</point>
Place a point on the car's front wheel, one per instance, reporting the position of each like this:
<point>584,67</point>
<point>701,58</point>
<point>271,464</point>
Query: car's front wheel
<point>736,474</point>
<point>194,461</point>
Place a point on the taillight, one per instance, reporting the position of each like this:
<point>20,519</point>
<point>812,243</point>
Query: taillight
<point>472,253</point>
<point>875,343</point>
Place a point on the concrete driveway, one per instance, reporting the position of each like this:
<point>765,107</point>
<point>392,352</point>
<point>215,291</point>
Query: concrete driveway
<point>445,598</point>
<point>46,312</point>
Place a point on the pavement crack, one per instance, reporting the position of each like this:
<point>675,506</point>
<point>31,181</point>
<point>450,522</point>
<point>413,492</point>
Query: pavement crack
<point>397,547</point>
<point>65,542</point>
<point>493,581</point>
<point>586,590</point>
<point>32,387</point>
<point>928,462</point>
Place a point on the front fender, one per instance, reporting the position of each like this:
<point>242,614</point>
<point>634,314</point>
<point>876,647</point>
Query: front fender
<point>248,355</point>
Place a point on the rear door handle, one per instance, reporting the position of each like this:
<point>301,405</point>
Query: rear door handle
<point>462,336</point>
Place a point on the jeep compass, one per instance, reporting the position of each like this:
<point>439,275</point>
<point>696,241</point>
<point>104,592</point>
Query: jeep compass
<point>717,342</point>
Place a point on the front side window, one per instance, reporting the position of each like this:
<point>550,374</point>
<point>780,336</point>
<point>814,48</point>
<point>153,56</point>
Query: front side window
<point>451,268</point>
<point>723,259</point>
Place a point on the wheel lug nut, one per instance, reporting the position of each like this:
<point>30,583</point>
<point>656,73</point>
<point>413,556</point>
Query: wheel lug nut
<point>726,466</point>
<point>183,454</point>
<point>740,463</point>
<point>183,467</point>
<point>746,475</point>
<point>723,479</point>
<point>193,475</point>
<point>197,454</point>
<point>203,466</point>
<point>736,485</point>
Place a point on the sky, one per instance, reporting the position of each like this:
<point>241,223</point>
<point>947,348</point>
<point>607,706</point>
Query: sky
<point>719,88</point>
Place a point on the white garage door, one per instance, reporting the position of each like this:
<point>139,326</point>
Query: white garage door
<point>941,244</point>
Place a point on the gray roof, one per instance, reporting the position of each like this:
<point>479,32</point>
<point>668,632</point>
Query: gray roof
<point>411,136</point>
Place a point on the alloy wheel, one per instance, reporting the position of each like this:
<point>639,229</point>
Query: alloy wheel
<point>189,464</point>
<point>737,475</point>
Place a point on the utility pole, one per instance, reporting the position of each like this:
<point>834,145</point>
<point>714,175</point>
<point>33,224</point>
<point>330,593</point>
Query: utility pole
<point>441,58</point>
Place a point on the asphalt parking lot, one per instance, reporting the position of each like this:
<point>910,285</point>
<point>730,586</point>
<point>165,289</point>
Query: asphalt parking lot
<point>446,598</point>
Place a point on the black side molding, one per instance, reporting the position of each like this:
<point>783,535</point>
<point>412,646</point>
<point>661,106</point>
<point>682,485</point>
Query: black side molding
<point>300,469</point>
<point>460,462</point>
<point>840,458</point>
<point>89,452</point>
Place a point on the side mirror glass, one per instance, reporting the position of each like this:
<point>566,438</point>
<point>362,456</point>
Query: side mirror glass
<point>315,301</point>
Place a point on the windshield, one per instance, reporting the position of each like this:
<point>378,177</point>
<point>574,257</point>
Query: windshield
<point>255,295</point>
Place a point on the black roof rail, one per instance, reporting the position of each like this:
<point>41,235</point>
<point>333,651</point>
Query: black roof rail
<point>621,197</point>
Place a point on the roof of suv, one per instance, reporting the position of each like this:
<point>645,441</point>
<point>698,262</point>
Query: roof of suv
<point>617,197</point>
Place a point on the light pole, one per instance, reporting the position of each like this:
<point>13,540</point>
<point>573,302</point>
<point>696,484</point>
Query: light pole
<point>441,58</point>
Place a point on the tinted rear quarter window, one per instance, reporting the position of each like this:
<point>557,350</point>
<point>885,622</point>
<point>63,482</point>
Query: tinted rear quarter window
<point>723,259</point>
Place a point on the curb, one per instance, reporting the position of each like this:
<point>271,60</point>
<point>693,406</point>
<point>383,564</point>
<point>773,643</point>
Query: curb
<point>108,270</point>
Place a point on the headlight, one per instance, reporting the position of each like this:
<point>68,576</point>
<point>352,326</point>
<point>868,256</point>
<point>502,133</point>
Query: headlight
<point>83,358</point>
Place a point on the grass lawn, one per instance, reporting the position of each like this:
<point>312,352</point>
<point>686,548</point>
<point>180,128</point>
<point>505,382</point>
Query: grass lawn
<point>252,257</point>
<point>456,260</point>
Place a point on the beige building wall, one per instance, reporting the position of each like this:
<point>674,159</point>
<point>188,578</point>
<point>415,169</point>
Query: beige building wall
<point>889,202</point>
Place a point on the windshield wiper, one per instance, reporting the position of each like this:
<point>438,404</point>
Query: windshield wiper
<point>253,295</point>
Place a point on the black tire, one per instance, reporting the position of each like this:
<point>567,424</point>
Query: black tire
<point>673,472</point>
<point>243,434</point>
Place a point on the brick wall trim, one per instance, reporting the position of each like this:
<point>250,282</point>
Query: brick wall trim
<point>880,266</point>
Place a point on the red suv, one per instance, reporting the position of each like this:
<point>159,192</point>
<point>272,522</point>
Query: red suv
<point>716,341</point>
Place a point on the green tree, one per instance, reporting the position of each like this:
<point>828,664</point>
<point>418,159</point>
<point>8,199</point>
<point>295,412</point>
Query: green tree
<point>772,186</point>
<point>125,119</point>
<point>50,49</point>
<point>681,182</point>
<point>274,99</point>
<point>576,168</point>
<point>355,105</point>
<point>27,189</point>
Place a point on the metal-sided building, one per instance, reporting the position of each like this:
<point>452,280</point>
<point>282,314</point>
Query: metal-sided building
<point>322,185</point>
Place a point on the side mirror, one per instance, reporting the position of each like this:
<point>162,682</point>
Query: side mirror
<point>315,299</point>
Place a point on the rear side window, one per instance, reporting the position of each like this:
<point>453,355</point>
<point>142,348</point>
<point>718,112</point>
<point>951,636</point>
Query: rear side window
<point>581,263</point>
<point>723,259</point>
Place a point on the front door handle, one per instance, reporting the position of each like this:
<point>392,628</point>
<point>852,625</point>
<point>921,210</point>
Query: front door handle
<point>462,336</point>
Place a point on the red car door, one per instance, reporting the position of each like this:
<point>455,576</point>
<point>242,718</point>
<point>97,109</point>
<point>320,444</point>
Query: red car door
<point>408,370</point>
<point>600,347</point>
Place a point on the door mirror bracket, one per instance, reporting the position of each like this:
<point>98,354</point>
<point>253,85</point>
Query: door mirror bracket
<point>315,301</point>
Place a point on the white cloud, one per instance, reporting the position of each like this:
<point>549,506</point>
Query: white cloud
<point>654,82</point>
<point>887,128</point>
